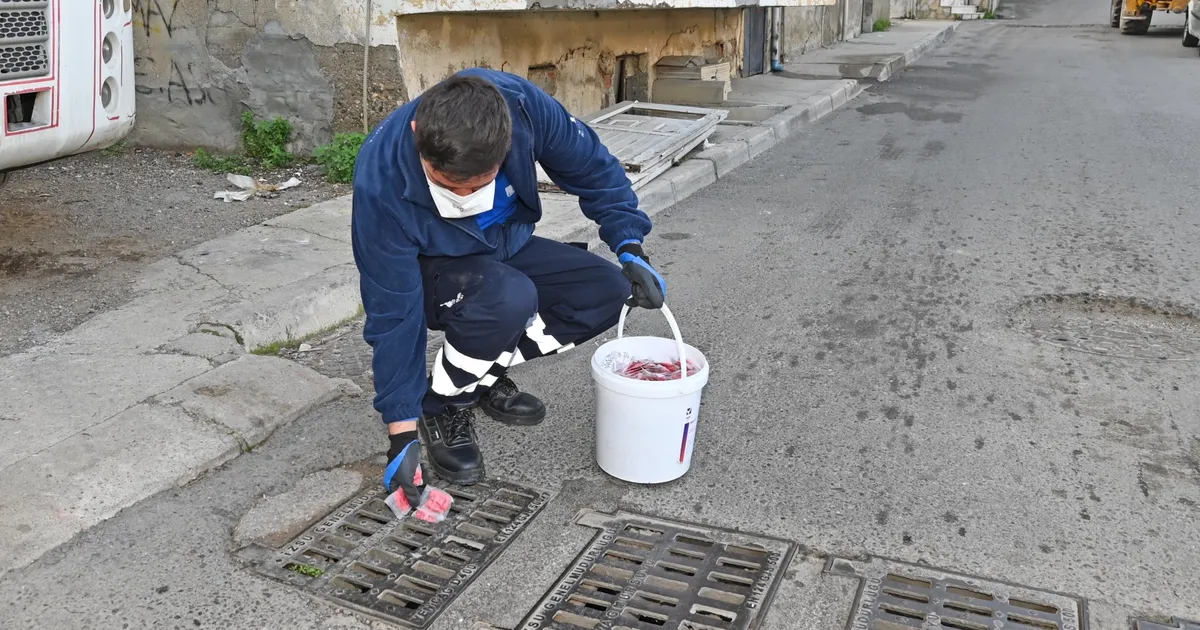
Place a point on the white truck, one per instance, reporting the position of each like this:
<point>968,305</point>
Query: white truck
<point>66,78</point>
<point>1191,28</point>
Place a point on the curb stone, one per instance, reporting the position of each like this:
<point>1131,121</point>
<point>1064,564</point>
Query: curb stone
<point>886,70</point>
<point>293,311</point>
<point>253,395</point>
<point>692,176</point>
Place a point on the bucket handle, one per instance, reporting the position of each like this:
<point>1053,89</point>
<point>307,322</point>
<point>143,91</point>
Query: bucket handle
<point>674,330</point>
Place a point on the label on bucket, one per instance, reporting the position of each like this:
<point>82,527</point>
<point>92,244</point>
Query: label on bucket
<point>687,428</point>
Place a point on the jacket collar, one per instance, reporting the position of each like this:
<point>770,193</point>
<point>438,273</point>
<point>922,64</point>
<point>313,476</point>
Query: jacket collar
<point>416,186</point>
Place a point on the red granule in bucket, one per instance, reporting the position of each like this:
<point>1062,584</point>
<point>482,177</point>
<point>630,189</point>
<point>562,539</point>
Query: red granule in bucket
<point>646,370</point>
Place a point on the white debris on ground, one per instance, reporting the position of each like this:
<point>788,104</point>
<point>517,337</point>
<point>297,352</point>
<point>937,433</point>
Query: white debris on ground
<point>251,187</point>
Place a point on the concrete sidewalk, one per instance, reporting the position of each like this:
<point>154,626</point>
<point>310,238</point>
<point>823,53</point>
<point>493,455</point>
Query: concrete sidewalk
<point>874,56</point>
<point>161,390</point>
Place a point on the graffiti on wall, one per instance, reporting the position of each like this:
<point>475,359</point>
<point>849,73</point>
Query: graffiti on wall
<point>156,34</point>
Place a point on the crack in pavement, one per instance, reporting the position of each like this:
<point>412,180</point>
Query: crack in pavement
<point>306,231</point>
<point>179,259</point>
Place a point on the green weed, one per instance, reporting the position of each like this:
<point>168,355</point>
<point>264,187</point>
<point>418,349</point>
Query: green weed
<point>305,569</point>
<point>220,163</point>
<point>114,150</point>
<point>265,141</point>
<point>338,157</point>
<point>264,144</point>
<point>989,15</point>
<point>882,25</point>
<point>275,348</point>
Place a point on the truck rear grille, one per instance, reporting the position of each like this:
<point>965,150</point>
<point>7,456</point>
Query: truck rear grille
<point>23,61</point>
<point>21,26</point>
<point>24,39</point>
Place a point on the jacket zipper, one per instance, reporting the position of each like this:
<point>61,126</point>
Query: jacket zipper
<point>477,236</point>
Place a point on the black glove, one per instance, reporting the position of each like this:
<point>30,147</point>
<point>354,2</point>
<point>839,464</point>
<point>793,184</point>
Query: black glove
<point>404,467</point>
<point>649,288</point>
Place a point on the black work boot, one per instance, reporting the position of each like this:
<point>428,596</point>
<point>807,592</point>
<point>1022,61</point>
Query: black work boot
<point>451,446</point>
<point>507,404</point>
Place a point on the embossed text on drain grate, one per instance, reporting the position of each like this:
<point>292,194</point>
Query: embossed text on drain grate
<point>900,596</point>
<point>641,573</point>
<point>1174,624</point>
<point>406,571</point>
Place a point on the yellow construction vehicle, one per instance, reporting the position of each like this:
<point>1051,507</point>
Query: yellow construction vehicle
<point>1133,16</point>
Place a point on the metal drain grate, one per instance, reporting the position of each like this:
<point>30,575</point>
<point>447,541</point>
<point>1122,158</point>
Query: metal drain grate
<point>899,596</point>
<point>641,573</point>
<point>23,60</point>
<point>407,571</point>
<point>1142,624</point>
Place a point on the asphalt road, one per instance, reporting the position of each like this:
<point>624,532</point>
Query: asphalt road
<point>871,296</point>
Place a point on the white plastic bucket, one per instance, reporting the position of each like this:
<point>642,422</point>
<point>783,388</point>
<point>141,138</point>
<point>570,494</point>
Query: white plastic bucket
<point>646,430</point>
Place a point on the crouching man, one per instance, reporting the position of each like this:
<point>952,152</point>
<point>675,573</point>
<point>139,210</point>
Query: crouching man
<point>445,204</point>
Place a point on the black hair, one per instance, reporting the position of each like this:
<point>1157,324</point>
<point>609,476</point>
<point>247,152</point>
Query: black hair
<point>463,128</point>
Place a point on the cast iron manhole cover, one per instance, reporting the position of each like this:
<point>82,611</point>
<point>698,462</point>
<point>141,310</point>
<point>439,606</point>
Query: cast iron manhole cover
<point>407,571</point>
<point>898,596</point>
<point>1143,624</point>
<point>644,573</point>
<point>1118,327</point>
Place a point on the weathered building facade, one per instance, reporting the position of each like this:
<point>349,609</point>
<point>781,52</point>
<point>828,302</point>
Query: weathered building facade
<point>333,65</point>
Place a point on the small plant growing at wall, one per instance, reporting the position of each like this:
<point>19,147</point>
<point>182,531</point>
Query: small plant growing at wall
<point>220,163</point>
<point>989,15</point>
<point>265,141</point>
<point>337,158</point>
<point>114,150</point>
<point>881,25</point>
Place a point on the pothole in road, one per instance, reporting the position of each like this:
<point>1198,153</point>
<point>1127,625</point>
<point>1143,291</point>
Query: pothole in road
<point>1122,327</point>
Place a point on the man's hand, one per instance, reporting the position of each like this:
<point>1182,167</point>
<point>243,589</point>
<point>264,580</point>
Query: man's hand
<point>649,288</point>
<point>403,471</point>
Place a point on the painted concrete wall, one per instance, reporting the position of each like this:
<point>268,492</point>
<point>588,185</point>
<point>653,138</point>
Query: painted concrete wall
<point>200,63</point>
<point>854,19</point>
<point>932,9</point>
<point>809,28</point>
<point>906,9</point>
<point>880,10</point>
<point>583,46</point>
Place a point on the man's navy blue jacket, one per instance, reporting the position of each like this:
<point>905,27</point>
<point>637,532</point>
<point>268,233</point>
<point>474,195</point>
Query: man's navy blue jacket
<point>395,221</point>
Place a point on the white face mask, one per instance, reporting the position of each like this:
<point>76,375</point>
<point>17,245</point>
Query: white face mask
<point>452,206</point>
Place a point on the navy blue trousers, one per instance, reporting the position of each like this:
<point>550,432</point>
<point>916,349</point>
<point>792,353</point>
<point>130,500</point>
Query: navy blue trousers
<point>546,299</point>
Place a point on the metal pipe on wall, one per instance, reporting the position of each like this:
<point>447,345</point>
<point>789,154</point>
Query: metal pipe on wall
<point>776,18</point>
